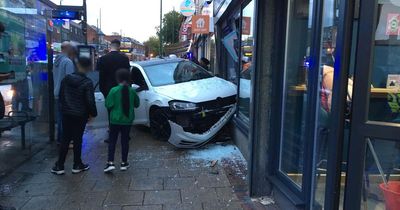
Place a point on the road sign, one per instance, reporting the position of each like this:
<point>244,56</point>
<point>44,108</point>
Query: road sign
<point>188,8</point>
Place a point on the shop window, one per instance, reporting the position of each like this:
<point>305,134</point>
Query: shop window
<point>246,60</point>
<point>295,94</point>
<point>385,80</point>
<point>231,44</point>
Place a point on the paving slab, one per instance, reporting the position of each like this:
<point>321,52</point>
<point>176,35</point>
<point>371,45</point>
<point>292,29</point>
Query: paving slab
<point>222,206</point>
<point>179,183</point>
<point>164,172</point>
<point>149,207</point>
<point>14,201</point>
<point>92,200</point>
<point>162,197</point>
<point>49,202</point>
<point>199,195</point>
<point>124,198</point>
<point>147,183</point>
<point>183,206</point>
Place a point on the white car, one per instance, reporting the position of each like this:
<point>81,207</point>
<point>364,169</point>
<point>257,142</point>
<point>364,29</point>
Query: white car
<point>181,102</point>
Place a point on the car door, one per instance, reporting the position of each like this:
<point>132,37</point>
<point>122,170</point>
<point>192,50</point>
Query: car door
<point>102,114</point>
<point>141,113</point>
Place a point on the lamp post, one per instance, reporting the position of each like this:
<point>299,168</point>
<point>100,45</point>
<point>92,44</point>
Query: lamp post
<point>160,35</point>
<point>84,23</point>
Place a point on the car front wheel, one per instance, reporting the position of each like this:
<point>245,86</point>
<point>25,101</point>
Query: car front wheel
<point>159,125</point>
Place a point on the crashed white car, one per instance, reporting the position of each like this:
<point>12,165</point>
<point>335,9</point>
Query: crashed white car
<point>181,102</point>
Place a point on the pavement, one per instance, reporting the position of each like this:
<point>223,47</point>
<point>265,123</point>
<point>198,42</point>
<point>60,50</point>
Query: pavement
<point>161,177</point>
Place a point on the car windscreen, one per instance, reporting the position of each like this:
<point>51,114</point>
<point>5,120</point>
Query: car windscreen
<point>175,73</point>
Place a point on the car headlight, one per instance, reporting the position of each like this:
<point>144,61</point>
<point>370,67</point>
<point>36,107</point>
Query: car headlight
<point>182,106</point>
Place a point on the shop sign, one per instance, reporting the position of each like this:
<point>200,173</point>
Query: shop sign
<point>392,24</point>
<point>185,29</point>
<point>188,8</point>
<point>201,24</point>
<point>246,25</point>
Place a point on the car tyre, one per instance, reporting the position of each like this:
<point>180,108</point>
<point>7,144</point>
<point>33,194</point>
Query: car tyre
<point>159,125</point>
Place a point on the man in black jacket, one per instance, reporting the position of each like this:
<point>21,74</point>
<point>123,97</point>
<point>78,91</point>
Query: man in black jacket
<point>108,66</point>
<point>77,106</point>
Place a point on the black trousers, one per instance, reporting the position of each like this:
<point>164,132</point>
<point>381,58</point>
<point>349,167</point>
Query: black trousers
<point>115,130</point>
<point>73,128</point>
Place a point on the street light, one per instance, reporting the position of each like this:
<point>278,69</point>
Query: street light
<point>160,38</point>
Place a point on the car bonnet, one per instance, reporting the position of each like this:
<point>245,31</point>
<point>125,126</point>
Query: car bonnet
<point>199,90</point>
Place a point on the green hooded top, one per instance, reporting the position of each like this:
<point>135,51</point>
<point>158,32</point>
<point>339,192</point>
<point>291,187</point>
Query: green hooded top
<point>114,104</point>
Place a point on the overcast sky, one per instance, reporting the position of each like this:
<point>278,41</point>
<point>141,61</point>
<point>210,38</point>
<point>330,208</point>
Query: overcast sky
<point>136,18</point>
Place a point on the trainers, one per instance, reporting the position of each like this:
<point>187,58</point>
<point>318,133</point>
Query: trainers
<point>109,167</point>
<point>79,168</point>
<point>58,170</point>
<point>124,166</point>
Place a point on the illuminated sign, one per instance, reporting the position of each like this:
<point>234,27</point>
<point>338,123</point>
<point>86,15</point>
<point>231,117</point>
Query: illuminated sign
<point>65,14</point>
<point>125,50</point>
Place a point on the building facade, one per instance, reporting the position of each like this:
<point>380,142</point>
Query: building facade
<point>318,113</point>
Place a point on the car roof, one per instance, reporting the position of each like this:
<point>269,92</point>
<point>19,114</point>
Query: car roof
<point>156,62</point>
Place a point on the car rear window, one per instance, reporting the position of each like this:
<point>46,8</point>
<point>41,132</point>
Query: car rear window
<point>174,73</point>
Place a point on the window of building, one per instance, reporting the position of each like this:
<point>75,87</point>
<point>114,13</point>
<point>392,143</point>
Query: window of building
<point>246,60</point>
<point>231,42</point>
<point>384,108</point>
<point>294,90</point>
<point>23,53</point>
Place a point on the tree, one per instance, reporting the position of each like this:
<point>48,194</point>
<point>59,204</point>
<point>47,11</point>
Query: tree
<point>152,46</point>
<point>171,26</point>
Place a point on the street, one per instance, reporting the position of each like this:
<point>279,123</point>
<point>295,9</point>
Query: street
<point>160,177</point>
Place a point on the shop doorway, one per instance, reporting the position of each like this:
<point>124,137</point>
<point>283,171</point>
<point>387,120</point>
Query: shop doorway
<point>374,148</point>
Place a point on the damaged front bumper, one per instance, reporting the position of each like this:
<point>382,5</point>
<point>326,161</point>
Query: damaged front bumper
<point>184,139</point>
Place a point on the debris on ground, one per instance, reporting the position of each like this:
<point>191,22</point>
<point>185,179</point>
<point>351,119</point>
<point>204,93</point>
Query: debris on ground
<point>266,201</point>
<point>213,163</point>
<point>215,152</point>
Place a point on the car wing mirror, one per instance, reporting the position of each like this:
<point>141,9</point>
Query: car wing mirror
<point>137,88</point>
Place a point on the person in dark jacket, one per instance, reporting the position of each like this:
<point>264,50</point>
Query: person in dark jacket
<point>108,66</point>
<point>77,106</point>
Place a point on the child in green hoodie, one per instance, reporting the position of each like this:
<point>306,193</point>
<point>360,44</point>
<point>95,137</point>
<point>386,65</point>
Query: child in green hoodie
<point>121,102</point>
